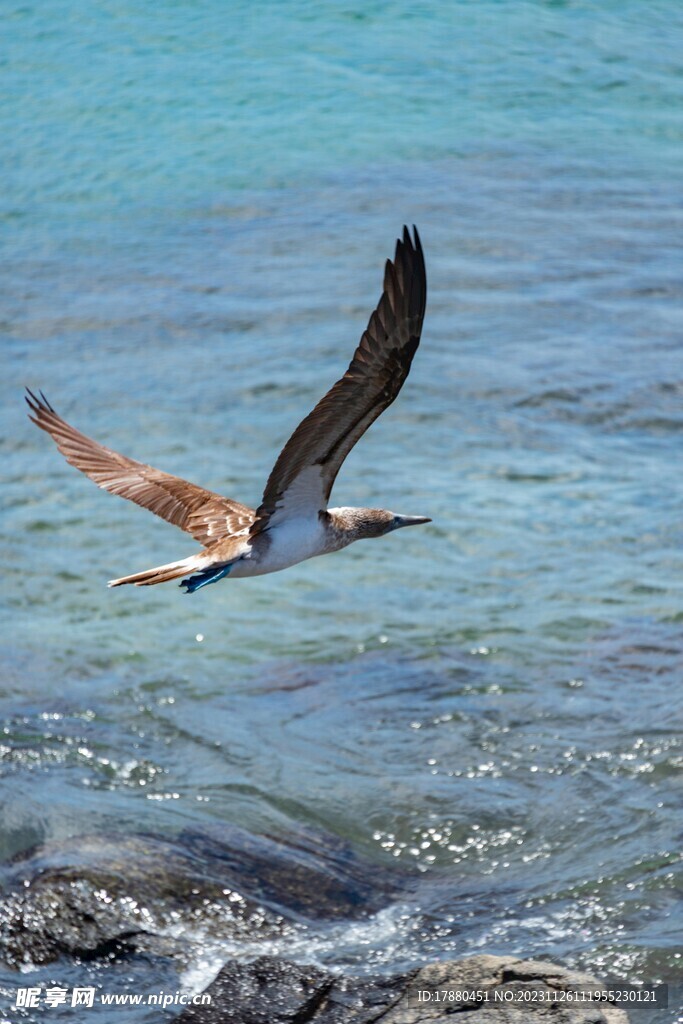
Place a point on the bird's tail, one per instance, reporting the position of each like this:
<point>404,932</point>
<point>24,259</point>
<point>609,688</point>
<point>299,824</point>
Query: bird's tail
<point>162,573</point>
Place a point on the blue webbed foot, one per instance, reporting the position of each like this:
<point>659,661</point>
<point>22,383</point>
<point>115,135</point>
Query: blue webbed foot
<point>202,579</point>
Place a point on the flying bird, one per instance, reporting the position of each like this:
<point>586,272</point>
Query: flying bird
<point>293,522</point>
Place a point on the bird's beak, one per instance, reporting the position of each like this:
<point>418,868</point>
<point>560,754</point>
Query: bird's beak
<point>400,521</point>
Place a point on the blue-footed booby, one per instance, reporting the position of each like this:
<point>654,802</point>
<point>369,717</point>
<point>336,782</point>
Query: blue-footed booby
<point>293,522</point>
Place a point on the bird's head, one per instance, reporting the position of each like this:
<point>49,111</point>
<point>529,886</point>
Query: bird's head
<point>371,522</point>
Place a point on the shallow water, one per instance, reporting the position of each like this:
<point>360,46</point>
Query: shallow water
<point>195,222</point>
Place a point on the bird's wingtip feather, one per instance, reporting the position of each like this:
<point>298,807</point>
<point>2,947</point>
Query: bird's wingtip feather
<point>37,404</point>
<point>45,401</point>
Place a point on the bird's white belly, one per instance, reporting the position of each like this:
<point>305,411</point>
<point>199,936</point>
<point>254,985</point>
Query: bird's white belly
<point>290,542</point>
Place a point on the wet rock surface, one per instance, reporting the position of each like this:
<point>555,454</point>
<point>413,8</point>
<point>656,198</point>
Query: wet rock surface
<point>273,991</point>
<point>94,898</point>
<point>98,896</point>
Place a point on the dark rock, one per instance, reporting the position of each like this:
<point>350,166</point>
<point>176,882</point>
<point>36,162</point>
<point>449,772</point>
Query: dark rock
<point>310,874</point>
<point>272,991</point>
<point>102,896</point>
<point>267,991</point>
<point>94,897</point>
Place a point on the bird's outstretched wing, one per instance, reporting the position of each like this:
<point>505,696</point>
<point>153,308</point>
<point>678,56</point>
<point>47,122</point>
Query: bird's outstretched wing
<point>208,517</point>
<point>305,471</point>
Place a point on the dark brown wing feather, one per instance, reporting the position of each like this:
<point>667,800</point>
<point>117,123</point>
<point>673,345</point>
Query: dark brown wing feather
<point>308,464</point>
<point>208,517</point>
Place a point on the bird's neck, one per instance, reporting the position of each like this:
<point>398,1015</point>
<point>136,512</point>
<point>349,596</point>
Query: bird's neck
<point>339,527</point>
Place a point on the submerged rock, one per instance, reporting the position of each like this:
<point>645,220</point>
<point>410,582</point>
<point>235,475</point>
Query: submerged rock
<point>311,874</point>
<point>272,991</point>
<point>96,896</point>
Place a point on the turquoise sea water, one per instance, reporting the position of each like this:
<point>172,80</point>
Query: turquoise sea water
<point>197,202</point>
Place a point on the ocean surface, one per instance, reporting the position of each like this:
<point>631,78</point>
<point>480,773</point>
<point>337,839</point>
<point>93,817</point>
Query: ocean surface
<point>197,200</point>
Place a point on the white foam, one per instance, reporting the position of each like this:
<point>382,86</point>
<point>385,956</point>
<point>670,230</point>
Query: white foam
<point>386,935</point>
